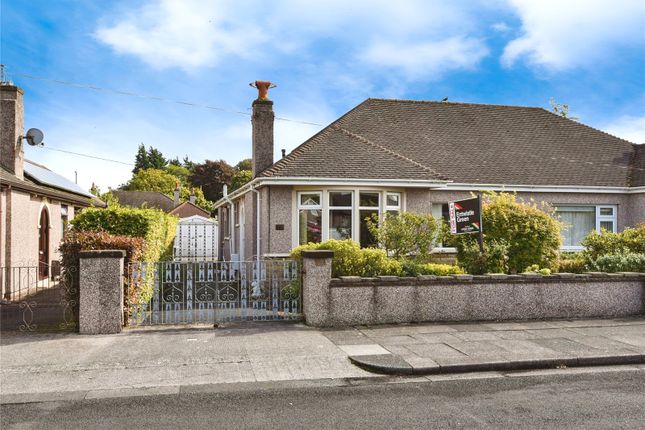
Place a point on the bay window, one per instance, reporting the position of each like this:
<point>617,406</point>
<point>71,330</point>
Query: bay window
<point>342,214</point>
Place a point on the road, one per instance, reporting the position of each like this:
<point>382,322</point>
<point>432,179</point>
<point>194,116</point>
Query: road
<point>590,399</point>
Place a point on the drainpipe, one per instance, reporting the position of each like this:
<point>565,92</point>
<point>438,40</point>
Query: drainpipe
<point>231,221</point>
<point>257,222</point>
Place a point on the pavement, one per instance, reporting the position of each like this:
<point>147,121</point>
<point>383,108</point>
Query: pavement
<point>37,367</point>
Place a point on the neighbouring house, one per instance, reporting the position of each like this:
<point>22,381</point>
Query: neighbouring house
<point>196,237</point>
<point>404,155</point>
<point>36,204</point>
<point>158,200</point>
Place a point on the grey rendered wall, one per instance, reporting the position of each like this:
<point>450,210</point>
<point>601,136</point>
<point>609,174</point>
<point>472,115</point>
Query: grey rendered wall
<point>279,211</point>
<point>385,301</point>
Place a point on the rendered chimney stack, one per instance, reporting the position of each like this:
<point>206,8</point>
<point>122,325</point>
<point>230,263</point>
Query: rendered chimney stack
<point>12,128</point>
<point>176,199</point>
<point>262,121</point>
<point>192,197</point>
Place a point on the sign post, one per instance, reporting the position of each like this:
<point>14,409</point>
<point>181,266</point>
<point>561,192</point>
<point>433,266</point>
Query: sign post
<point>466,217</point>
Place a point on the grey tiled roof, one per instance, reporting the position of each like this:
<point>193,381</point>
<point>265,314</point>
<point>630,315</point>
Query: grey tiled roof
<point>638,167</point>
<point>463,142</point>
<point>151,199</point>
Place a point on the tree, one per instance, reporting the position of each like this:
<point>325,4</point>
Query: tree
<point>141,159</point>
<point>156,159</point>
<point>240,178</point>
<point>188,164</point>
<point>211,176</point>
<point>95,190</point>
<point>179,171</point>
<point>561,109</point>
<point>244,165</point>
<point>164,182</point>
<point>152,180</point>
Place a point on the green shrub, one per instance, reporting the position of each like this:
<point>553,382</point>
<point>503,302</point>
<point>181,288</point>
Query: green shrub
<point>623,261</point>
<point>77,241</point>
<point>155,226</point>
<point>493,260</point>
<point>576,264</point>
<point>530,234</point>
<point>350,260</point>
<point>536,269</point>
<point>604,243</point>
<point>413,269</point>
<point>406,234</point>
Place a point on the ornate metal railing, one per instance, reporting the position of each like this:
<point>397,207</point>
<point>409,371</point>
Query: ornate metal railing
<point>38,297</point>
<point>210,292</point>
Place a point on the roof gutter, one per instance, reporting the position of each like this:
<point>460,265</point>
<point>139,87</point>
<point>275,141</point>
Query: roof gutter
<point>306,181</point>
<point>545,188</point>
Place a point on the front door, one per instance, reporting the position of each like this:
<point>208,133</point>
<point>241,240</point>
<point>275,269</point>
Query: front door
<point>43,245</point>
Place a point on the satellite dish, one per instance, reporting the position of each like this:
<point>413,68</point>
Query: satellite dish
<point>35,137</point>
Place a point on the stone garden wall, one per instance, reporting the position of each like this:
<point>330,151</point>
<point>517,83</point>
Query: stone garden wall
<point>386,299</point>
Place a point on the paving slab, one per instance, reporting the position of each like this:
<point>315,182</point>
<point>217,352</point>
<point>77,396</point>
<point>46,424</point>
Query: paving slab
<point>370,349</point>
<point>436,351</point>
<point>476,335</point>
<point>435,337</point>
<point>514,346</point>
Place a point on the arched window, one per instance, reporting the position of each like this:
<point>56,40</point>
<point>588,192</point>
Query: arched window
<point>43,244</point>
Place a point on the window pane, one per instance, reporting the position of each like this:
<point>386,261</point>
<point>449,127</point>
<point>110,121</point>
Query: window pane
<point>367,239</point>
<point>343,198</point>
<point>393,199</point>
<point>340,224</point>
<point>370,200</point>
<point>607,211</point>
<point>310,199</point>
<point>310,226</point>
<point>578,224</point>
<point>607,225</point>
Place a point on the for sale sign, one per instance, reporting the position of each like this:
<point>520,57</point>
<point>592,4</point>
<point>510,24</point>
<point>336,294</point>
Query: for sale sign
<point>465,216</point>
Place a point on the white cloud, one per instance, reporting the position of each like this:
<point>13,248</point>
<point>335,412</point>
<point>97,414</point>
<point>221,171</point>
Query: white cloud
<point>631,128</point>
<point>414,35</point>
<point>187,34</point>
<point>429,59</point>
<point>563,34</point>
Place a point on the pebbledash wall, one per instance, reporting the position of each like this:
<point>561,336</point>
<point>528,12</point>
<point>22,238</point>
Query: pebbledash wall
<point>388,299</point>
<point>277,202</point>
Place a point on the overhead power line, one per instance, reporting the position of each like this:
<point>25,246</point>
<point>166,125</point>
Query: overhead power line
<point>150,97</point>
<point>87,155</point>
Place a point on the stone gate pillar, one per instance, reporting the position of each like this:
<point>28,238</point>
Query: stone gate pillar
<point>315,286</point>
<point>101,291</point>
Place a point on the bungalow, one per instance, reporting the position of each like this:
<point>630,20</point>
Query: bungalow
<point>404,155</point>
<point>36,204</point>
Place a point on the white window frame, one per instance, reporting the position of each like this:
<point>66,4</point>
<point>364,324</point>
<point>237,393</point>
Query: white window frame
<point>300,206</point>
<point>440,249</point>
<point>612,218</point>
<point>389,208</point>
<point>324,207</point>
<point>378,209</point>
<point>351,208</point>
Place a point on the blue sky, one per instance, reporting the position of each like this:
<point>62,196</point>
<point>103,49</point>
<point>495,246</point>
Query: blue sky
<point>325,56</point>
